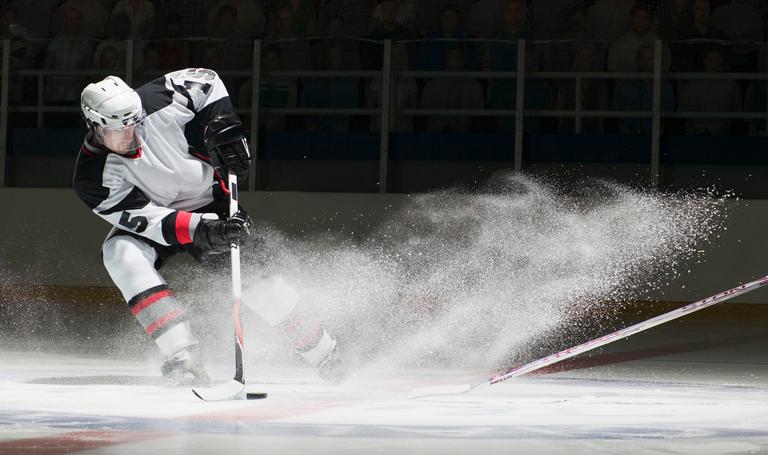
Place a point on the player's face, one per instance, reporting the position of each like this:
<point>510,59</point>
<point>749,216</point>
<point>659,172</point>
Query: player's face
<point>123,140</point>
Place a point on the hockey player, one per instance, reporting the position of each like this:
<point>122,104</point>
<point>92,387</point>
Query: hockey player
<point>136,170</point>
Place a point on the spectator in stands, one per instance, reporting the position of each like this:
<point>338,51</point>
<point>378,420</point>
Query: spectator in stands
<point>387,24</point>
<point>94,17</point>
<point>404,94</point>
<point>294,52</point>
<point>576,28</point>
<point>594,92</point>
<point>409,16</point>
<point>675,19</point>
<point>226,26</point>
<point>740,20</point>
<point>637,95</point>
<point>269,7</point>
<point>431,13</point>
<point>174,51</point>
<point>194,14</point>
<point>109,60</point>
<point>609,19</point>
<point>275,92</point>
<point>152,64</point>
<point>355,14</point>
<point>710,95</point>
<point>691,55</point>
<point>503,56</point>
<point>756,99</point>
<point>234,53</point>
<point>206,55</point>
<point>69,50</point>
<point>330,92</point>
<point>303,16</point>
<point>248,21</point>
<point>484,17</point>
<point>622,55</point>
<point>120,28</point>
<point>142,14</point>
<point>452,93</point>
<point>154,59</point>
<point>34,16</point>
<point>550,16</point>
<point>387,28</point>
<point>502,94</point>
<point>702,22</point>
<point>22,51</point>
<point>334,32</point>
<point>434,51</point>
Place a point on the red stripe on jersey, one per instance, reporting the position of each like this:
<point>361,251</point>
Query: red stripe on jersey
<point>141,305</point>
<point>182,227</point>
<point>162,322</point>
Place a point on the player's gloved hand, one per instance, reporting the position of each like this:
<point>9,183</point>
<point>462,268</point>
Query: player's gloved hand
<point>225,143</point>
<point>217,236</point>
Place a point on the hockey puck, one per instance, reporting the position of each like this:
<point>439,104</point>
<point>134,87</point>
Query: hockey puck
<point>255,396</point>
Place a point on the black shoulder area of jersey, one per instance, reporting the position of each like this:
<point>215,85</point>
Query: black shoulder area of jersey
<point>136,199</point>
<point>87,179</point>
<point>155,95</point>
<point>218,107</point>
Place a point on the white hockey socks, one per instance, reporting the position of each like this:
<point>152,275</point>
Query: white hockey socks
<point>158,311</point>
<point>276,303</point>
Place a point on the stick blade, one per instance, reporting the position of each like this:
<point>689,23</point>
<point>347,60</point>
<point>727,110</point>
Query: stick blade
<point>230,390</point>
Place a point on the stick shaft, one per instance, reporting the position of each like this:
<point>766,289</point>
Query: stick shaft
<point>628,331</point>
<point>236,284</point>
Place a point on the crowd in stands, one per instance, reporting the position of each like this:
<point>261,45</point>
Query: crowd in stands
<point>713,36</point>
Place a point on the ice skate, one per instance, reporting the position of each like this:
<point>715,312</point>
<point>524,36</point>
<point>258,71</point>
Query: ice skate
<point>185,368</point>
<point>332,367</point>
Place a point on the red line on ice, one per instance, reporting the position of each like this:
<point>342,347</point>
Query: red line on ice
<point>77,441</point>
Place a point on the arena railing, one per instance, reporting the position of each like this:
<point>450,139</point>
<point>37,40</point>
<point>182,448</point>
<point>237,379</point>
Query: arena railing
<point>387,75</point>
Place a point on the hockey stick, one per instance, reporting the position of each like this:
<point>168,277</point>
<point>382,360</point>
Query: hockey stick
<point>234,388</point>
<point>592,344</point>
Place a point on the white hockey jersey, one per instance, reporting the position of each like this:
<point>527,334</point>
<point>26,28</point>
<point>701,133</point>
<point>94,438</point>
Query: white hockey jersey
<point>154,191</point>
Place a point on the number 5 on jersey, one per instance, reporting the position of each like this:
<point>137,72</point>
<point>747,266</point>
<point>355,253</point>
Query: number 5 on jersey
<point>137,224</point>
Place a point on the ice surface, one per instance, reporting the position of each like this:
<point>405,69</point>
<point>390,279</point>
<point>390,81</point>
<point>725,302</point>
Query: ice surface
<point>689,387</point>
<point>674,404</point>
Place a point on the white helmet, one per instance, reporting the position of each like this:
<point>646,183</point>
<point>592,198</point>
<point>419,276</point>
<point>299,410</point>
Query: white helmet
<point>114,113</point>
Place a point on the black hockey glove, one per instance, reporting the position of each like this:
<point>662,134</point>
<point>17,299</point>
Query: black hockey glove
<point>225,143</point>
<point>216,236</point>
